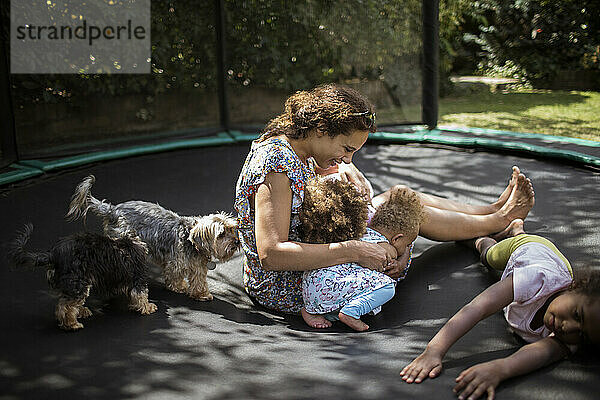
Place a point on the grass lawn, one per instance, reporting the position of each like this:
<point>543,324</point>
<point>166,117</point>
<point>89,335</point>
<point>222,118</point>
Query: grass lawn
<point>573,114</point>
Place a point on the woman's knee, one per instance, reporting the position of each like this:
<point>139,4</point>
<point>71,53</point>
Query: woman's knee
<point>385,196</point>
<point>396,188</point>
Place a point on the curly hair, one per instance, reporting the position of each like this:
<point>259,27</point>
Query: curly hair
<point>332,211</point>
<point>587,282</point>
<point>326,108</point>
<point>402,212</point>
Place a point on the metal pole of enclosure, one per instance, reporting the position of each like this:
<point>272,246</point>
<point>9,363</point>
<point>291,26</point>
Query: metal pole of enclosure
<point>8,140</point>
<point>221,73</point>
<point>430,62</point>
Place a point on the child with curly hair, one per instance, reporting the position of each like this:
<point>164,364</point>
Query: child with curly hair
<point>542,303</point>
<point>322,128</point>
<point>334,211</point>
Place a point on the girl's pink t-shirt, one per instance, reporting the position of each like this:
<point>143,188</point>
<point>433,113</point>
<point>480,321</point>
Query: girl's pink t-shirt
<point>538,273</point>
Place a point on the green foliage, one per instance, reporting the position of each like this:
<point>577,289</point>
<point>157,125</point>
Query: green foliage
<point>528,39</point>
<point>183,57</point>
<point>270,43</point>
<point>294,45</point>
<point>459,51</point>
<point>537,39</point>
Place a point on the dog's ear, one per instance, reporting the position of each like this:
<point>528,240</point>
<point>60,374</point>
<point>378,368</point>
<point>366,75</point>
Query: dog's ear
<point>230,224</point>
<point>218,229</point>
<point>194,237</point>
<point>204,233</point>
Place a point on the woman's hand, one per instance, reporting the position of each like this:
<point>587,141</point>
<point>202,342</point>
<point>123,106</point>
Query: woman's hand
<point>349,173</point>
<point>370,255</point>
<point>428,364</point>
<point>479,379</point>
<point>397,266</point>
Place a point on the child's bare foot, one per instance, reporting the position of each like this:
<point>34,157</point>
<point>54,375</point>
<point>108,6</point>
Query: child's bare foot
<point>513,229</point>
<point>521,200</point>
<point>506,193</point>
<point>315,320</point>
<point>353,323</point>
<point>483,243</point>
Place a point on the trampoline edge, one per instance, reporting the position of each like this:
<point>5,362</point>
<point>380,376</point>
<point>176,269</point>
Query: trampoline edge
<point>436,136</point>
<point>26,169</point>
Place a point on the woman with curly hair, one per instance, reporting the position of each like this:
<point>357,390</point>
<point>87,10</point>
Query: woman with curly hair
<point>324,127</point>
<point>334,211</point>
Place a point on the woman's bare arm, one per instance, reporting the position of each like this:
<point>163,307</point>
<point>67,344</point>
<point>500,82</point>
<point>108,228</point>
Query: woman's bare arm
<point>273,203</point>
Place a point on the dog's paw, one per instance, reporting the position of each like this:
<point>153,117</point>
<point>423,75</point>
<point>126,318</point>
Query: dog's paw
<point>201,296</point>
<point>84,312</point>
<point>178,287</point>
<point>149,309</point>
<point>72,327</point>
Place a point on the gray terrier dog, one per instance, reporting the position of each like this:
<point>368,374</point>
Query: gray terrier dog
<point>184,246</point>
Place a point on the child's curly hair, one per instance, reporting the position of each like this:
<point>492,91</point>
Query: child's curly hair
<point>402,212</point>
<point>332,211</point>
<point>587,282</point>
<point>329,108</point>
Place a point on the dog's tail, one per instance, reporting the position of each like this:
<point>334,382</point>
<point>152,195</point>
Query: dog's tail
<point>83,201</point>
<point>20,257</point>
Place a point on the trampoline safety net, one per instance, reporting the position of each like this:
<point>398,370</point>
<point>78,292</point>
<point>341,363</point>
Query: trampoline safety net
<point>227,64</point>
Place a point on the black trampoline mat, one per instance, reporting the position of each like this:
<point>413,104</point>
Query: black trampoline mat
<point>231,349</point>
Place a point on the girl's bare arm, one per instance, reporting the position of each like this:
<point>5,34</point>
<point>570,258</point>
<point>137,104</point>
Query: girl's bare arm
<point>485,377</point>
<point>488,302</point>
<point>273,201</point>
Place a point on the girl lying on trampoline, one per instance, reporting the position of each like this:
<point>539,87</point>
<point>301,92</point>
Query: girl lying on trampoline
<point>542,303</point>
<point>334,211</point>
<point>324,127</point>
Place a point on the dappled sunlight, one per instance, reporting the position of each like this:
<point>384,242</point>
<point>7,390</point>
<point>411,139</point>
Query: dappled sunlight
<point>427,323</point>
<point>229,348</point>
<point>566,197</point>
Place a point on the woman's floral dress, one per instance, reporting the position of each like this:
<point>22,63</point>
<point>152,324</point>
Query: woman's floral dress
<point>282,290</point>
<point>279,290</point>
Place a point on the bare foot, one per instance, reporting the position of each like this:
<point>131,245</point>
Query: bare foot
<point>84,312</point>
<point>483,243</point>
<point>513,229</point>
<point>521,200</point>
<point>315,320</point>
<point>506,193</point>
<point>353,323</point>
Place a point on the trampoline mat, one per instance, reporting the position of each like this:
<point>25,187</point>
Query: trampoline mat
<point>229,348</point>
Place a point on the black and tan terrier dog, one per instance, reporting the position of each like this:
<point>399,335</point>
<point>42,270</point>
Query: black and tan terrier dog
<point>86,262</point>
<point>185,247</point>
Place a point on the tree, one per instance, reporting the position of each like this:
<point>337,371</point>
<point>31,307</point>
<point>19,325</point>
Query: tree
<point>536,39</point>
